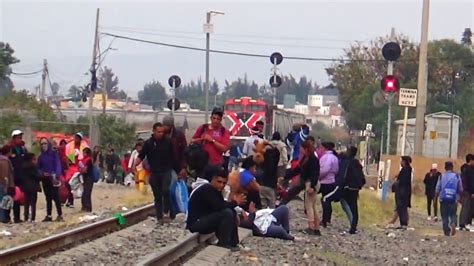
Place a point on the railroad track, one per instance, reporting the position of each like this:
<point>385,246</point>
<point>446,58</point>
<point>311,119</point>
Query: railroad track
<point>72,237</point>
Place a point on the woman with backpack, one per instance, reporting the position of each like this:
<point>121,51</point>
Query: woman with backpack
<point>354,179</point>
<point>49,165</point>
<point>403,191</point>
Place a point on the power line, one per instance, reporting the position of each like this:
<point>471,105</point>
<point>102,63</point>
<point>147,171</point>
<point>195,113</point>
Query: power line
<point>120,28</point>
<point>235,53</point>
<point>232,41</point>
<point>28,73</point>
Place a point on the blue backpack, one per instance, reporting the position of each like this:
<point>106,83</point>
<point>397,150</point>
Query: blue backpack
<point>450,190</point>
<point>95,174</point>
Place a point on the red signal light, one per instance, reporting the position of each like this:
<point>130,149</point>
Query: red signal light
<point>390,84</point>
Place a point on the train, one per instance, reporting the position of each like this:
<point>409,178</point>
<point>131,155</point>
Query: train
<point>241,114</point>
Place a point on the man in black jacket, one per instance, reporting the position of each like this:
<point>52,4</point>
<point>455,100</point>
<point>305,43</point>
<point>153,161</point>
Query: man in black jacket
<point>158,151</point>
<point>467,176</point>
<point>208,212</point>
<point>431,179</point>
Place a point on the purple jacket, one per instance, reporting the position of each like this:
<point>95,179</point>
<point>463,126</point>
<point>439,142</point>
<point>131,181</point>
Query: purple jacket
<point>49,162</point>
<point>329,166</point>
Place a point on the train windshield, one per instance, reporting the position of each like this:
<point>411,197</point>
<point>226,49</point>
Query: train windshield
<point>256,108</point>
<point>234,107</point>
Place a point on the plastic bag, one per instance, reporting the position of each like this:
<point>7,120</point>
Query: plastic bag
<point>77,191</point>
<point>179,196</point>
<point>129,179</point>
<point>19,196</point>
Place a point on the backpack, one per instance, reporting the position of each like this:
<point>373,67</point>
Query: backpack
<point>342,173</point>
<point>449,191</point>
<point>95,174</point>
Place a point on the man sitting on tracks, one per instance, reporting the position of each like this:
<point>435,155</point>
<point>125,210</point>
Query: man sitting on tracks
<point>208,212</point>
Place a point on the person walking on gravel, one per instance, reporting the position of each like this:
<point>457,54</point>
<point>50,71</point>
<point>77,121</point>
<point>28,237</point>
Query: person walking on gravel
<point>49,165</point>
<point>467,177</point>
<point>449,190</point>
<point>329,167</point>
<point>430,181</point>
<point>403,191</point>
<point>158,150</point>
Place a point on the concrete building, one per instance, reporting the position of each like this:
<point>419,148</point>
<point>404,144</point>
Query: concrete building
<point>436,135</point>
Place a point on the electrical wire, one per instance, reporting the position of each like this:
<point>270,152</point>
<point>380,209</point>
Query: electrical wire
<point>236,53</point>
<point>28,73</point>
<point>233,41</point>
<point>120,28</point>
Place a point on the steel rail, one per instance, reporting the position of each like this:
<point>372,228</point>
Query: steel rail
<point>174,253</point>
<point>72,237</point>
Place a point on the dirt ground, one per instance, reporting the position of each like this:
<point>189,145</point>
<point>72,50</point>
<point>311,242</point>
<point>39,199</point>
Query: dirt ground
<point>107,199</point>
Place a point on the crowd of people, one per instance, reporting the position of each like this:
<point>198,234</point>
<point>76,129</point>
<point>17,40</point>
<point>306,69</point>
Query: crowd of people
<point>25,174</point>
<point>249,186</point>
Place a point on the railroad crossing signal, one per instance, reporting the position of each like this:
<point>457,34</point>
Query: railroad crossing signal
<point>391,51</point>
<point>177,81</point>
<point>275,81</point>
<point>276,58</point>
<point>173,104</point>
<point>390,84</point>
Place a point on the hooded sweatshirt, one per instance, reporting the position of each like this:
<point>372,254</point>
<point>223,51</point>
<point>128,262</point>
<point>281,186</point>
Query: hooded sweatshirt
<point>329,166</point>
<point>205,200</point>
<point>49,161</point>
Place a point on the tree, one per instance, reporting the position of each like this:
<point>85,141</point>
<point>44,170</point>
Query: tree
<point>108,78</point>
<point>55,89</point>
<point>467,37</point>
<point>114,133</point>
<point>359,79</point>
<point>154,94</point>
<point>74,91</point>
<point>6,59</point>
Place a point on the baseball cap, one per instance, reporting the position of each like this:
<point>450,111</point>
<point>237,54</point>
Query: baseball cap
<point>168,120</point>
<point>79,134</point>
<point>16,132</point>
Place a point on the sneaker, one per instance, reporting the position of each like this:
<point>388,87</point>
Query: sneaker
<point>469,227</point>
<point>353,232</point>
<point>429,218</point>
<point>435,218</point>
<point>47,219</point>
<point>59,219</point>
<point>402,227</point>
<point>308,231</point>
<point>453,229</point>
<point>317,233</point>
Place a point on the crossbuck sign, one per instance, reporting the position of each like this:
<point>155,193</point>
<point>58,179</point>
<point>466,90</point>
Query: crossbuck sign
<point>407,97</point>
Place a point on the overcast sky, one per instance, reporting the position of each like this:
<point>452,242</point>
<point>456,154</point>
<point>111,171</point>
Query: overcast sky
<point>62,32</point>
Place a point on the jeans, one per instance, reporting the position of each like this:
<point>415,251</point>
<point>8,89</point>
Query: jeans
<point>233,163</point>
<point>31,197</point>
<point>3,214</point>
<point>466,215</point>
<point>431,199</point>
<point>52,194</point>
<point>160,185</point>
<point>86,199</point>
<point>223,223</point>
<point>328,191</point>
<point>280,229</point>
<point>267,197</point>
<point>448,215</point>
<point>347,209</point>
<point>351,197</point>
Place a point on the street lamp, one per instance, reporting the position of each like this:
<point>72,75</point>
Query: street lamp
<point>208,29</point>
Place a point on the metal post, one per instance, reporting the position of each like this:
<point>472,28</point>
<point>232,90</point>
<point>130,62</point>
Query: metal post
<point>206,88</point>
<point>404,132</point>
<point>389,118</point>
<point>93,67</point>
<point>104,95</point>
<point>422,81</point>
<point>451,127</point>
<point>173,95</point>
<point>381,143</point>
<point>43,80</point>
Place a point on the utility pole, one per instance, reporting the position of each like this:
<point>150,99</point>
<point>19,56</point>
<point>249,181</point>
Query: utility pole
<point>422,80</point>
<point>104,95</point>
<point>93,85</point>
<point>208,29</point>
<point>43,80</point>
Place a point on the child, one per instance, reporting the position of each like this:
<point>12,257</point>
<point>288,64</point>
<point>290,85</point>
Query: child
<point>30,185</point>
